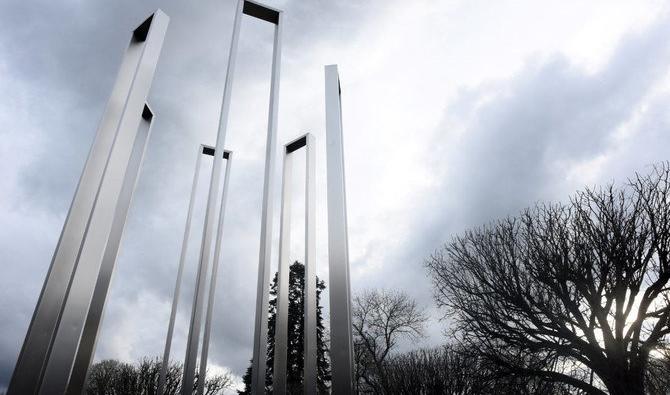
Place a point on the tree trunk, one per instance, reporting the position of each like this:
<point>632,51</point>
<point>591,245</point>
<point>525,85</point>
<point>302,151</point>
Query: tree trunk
<point>628,383</point>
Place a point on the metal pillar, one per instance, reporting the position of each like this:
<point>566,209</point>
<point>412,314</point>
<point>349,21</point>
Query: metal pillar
<point>341,342</point>
<point>180,271</point>
<point>273,16</point>
<point>202,150</point>
<point>89,336</point>
<point>205,248</point>
<point>261,316</point>
<point>281,328</point>
<point>48,352</point>
<point>215,268</point>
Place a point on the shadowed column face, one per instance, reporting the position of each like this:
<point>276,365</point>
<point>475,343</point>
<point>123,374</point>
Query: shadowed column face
<point>341,342</point>
<point>58,320</point>
<point>281,327</point>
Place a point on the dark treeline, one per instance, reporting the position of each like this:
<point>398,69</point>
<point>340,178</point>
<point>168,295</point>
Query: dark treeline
<point>453,370</point>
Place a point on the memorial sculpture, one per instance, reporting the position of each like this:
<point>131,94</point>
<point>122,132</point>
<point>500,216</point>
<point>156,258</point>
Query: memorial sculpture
<point>60,341</point>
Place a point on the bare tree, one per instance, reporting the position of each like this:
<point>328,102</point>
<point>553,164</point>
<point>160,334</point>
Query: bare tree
<point>443,370</point>
<point>454,370</point>
<point>574,293</point>
<point>658,373</point>
<point>111,377</point>
<point>382,318</point>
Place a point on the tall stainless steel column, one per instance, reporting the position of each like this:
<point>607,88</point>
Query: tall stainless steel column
<point>196,314</point>
<point>341,342</point>
<point>89,336</point>
<point>68,336</point>
<point>202,150</point>
<point>62,304</point>
<point>180,272</point>
<point>212,282</point>
<point>281,325</point>
<point>273,16</point>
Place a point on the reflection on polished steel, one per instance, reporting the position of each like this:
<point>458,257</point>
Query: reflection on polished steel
<point>281,326</point>
<point>92,325</point>
<point>48,354</point>
<point>341,342</point>
<point>202,150</point>
<point>180,270</point>
<point>212,282</point>
<point>273,16</point>
<point>205,248</point>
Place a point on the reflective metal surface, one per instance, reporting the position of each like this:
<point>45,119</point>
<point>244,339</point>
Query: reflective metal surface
<point>341,341</point>
<point>205,249</point>
<point>311,351</point>
<point>261,318</point>
<point>68,287</point>
<point>281,325</point>
<point>200,285</point>
<point>180,272</point>
<point>212,282</point>
<point>66,341</point>
<point>273,16</point>
<point>87,345</point>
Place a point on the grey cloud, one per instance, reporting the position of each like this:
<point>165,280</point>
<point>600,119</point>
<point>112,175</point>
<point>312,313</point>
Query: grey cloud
<point>550,115</point>
<point>63,57</point>
<point>504,145</point>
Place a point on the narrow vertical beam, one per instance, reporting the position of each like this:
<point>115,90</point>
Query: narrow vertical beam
<point>202,150</point>
<point>310,304</point>
<point>261,319</point>
<point>341,342</point>
<point>91,327</point>
<point>130,89</point>
<point>212,284</point>
<point>205,249</point>
<point>68,336</point>
<point>281,322</point>
<point>180,273</point>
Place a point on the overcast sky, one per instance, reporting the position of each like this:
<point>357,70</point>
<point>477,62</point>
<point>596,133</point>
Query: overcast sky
<point>455,113</point>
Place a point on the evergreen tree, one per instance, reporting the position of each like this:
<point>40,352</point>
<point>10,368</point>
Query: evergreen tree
<point>295,348</point>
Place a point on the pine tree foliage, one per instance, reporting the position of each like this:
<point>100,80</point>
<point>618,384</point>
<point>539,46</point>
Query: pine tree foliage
<point>295,348</point>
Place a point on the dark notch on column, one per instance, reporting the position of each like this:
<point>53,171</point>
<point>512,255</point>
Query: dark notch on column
<point>296,144</point>
<point>261,12</point>
<point>140,34</point>
<point>207,150</point>
<point>147,114</point>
